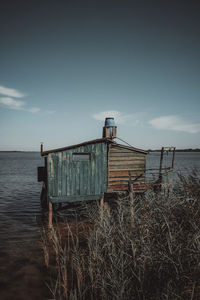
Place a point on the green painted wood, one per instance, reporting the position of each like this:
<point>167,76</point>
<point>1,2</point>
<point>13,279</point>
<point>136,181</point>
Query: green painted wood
<point>50,173</point>
<point>67,178</point>
<point>62,199</point>
<point>64,174</point>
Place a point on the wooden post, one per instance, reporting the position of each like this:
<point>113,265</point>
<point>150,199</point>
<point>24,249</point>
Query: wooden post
<point>101,208</point>
<point>173,158</point>
<point>41,148</point>
<point>131,200</point>
<point>104,206</point>
<point>131,203</point>
<point>50,214</point>
<point>107,208</point>
<point>161,161</point>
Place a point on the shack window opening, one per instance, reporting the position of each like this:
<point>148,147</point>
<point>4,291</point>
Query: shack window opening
<point>81,156</point>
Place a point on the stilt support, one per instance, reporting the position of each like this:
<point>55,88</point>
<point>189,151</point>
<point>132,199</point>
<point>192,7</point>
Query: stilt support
<point>101,208</point>
<point>50,214</point>
<point>131,201</point>
<point>104,207</point>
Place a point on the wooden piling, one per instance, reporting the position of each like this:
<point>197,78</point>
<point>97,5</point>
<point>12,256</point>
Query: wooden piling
<point>101,208</point>
<point>131,200</point>
<point>50,215</point>
<point>104,207</point>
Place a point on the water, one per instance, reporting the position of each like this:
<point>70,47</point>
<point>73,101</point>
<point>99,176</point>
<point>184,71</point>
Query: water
<point>22,271</point>
<point>19,192</point>
<point>184,163</point>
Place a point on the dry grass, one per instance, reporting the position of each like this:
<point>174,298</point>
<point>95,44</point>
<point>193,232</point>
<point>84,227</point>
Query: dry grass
<point>155,257</point>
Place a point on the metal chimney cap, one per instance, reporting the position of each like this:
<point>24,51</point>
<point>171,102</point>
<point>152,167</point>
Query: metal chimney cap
<point>109,122</point>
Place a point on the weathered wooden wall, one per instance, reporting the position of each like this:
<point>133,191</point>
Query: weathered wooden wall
<point>69,180</point>
<point>121,161</point>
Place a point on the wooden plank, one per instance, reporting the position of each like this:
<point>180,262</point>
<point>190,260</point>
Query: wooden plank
<point>64,174</point>
<point>104,168</point>
<point>50,170</point>
<point>131,167</point>
<point>118,187</point>
<point>69,173</point>
<point>123,187</point>
<point>113,178</point>
<point>55,174</point>
<point>126,158</point>
<point>74,198</point>
<point>96,167</point>
<point>123,182</point>
<point>115,182</point>
<point>92,168</point>
<point>113,175</point>
<point>59,172</point>
<point>48,176</point>
<point>120,172</point>
<point>122,148</point>
<point>127,162</point>
<point>125,153</point>
<point>87,177</point>
<point>120,180</point>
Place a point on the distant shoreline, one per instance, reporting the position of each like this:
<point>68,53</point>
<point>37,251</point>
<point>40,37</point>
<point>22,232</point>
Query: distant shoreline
<point>156,150</point>
<point>179,150</point>
<point>17,151</point>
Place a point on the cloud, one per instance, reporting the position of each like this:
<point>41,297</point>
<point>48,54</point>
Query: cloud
<point>49,112</point>
<point>175,123</point>
<point>10,92</point>
<point>11,103</point>
<point>33,110</point>
<point>17,105</point>
<point>120,118</point>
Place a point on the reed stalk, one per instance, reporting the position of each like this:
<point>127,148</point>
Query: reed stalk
<point>109,258</point>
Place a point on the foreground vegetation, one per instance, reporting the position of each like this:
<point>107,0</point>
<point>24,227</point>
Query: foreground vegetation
<point>152,252</point>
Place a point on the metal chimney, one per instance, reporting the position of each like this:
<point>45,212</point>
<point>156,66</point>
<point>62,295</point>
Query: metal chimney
<point>109,130</point>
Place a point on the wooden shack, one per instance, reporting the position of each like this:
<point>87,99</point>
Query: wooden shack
<point>86,171</point>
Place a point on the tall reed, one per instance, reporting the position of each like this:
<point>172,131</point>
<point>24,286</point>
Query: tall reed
<point>109,258</point>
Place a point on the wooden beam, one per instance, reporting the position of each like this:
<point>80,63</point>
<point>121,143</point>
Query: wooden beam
<point>63,199</point>
<point>131,201</point>
<point>50,215</point>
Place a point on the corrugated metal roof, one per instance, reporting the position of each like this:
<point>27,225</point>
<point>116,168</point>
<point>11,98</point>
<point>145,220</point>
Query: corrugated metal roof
<point>43,153</point>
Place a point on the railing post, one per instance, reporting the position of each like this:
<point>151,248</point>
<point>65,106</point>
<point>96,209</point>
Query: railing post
<point>41,148</point>
<point>161,161</point>
<point>173,158</point>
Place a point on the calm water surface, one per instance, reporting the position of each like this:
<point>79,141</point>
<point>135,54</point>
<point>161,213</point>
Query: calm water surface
<point>22,272</point>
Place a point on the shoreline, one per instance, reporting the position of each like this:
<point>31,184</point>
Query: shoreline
<point>149,150</point>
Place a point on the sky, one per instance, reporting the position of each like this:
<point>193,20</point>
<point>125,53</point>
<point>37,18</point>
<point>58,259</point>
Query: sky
<point>66,65</point>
